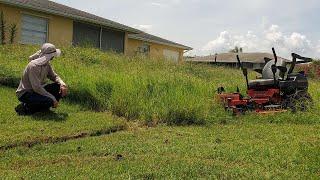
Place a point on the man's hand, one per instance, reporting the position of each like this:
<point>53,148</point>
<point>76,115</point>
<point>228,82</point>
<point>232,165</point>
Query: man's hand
<point>55,104</point>
<point>64,91</point>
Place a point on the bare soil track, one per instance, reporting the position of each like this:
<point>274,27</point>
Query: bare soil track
<point>56,140</point>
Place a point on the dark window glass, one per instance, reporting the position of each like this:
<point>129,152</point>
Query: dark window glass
<point>112,40</point>
<point>86,35</point>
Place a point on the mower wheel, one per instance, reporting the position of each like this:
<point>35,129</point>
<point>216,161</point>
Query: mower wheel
<point>300,101</point>
<point>239,110</point>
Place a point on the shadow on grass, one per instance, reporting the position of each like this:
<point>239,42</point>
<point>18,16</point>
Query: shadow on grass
<point>11,82</point>
<point>7,78</point>
<point>50,116</point>
<point>85,99</point>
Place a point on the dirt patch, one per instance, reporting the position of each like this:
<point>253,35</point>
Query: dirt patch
<point>62,139</point>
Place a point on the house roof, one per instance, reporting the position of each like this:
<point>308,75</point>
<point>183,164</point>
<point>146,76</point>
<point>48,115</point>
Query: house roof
<point>65,11</point>
<point>231,58</point>
<point>154,39</point>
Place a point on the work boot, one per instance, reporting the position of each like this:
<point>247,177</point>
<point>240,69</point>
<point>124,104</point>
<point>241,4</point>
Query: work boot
<point>21,110</point>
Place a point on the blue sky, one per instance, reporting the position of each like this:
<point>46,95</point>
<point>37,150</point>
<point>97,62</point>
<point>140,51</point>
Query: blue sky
<point>215,26</point>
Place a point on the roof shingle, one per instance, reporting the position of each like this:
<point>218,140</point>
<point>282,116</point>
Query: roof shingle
<point>151,38</point>
<point>231,58</point>
<point>62,10</point>
<point>50,7</point>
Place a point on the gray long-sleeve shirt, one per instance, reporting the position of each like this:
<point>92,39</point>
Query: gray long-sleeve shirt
<point>34,78</point>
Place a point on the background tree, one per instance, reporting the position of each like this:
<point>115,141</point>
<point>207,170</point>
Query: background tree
<point>236,50</point>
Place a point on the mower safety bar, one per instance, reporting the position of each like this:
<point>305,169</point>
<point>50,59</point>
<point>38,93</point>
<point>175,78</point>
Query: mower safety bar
<point>295,62</point>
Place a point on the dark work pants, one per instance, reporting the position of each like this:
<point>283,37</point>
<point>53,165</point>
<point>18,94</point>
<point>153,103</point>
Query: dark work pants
<point>34,102</point>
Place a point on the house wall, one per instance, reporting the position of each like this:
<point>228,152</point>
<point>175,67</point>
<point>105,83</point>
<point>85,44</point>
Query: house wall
<point>60,30</point>
<point>126,40</point>
<point>11,16</point>
<point>156,50</point>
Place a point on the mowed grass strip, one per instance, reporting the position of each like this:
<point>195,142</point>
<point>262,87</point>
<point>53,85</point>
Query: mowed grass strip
<point>238,151</point>
<point>67,121</point>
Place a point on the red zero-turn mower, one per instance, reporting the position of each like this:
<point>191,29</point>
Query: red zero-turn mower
<point>279,89</point>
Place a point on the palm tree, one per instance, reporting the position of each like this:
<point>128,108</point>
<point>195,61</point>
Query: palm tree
<point>236,50</point>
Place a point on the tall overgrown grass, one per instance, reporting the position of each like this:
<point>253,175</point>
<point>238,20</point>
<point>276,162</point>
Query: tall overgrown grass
<point>152,90</point>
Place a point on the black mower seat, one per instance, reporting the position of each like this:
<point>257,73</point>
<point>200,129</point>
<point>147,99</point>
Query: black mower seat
<point>254,84</point>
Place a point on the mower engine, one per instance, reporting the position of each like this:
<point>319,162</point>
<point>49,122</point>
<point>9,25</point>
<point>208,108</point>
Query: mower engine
<point>275,92</point>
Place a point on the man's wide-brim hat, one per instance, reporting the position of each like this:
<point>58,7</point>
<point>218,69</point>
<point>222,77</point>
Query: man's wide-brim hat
<point>50,49</point>
<point>47,53</point>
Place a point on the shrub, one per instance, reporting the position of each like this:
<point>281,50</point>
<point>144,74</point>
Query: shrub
<point>312,70</point>
<point>2,28</point>
<point>13,33</point>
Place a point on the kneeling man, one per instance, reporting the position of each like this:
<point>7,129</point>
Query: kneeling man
<point>34,95</point>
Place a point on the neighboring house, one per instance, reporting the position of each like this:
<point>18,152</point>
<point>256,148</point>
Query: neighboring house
<point>255,61</point>
<point>40,21</point>
<point>154,46</point>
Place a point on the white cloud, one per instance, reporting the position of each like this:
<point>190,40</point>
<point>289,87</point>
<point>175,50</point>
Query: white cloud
<point>299,43</point>
<point>227,41</point>
<point>222,43</point>
<point>273,34</point>
<point>144,27</point>
<point>165,3</point>
<point>157,4</point>
<point>285,43</point>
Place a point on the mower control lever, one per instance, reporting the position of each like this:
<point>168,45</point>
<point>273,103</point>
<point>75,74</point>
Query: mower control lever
<point>274,67</point>
<point>294,61</point>
<point>244,71</point>
<point>305,59</point>
<point>275,56</point>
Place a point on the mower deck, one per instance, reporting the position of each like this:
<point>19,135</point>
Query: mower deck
<point>273,112</point>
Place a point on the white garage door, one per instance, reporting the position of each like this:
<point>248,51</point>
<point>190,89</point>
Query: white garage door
<point>34,30</point>
<point>171,55</point>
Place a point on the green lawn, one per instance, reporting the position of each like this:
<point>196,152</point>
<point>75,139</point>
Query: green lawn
<point>68,120</point>
<point>138,118</point>
<point>240,150</point>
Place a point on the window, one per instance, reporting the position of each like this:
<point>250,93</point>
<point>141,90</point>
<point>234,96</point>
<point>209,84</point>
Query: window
<point>171,55</point>
<point>144,49</point>
<point>34,30</point>
<point>94,36</point>
<point>86,35</point>
<point>112,40</point>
